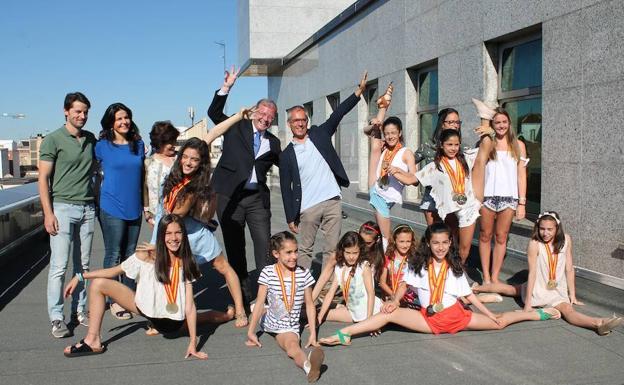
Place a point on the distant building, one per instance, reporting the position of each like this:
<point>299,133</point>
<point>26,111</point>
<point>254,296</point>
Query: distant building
<point>198,130</point>
<point>28,153</point>
<point>14,157</point>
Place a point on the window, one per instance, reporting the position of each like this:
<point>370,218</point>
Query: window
<point>309,109</point>
<point>425,81</point>
<point>520,94</point>
<point>370,96</point>
<point>333,101</point>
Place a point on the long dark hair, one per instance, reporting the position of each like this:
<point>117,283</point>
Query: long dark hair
<point>400,229</point>
<point>350,239</point>
<point>435,137</point>
<point>162,263</point>
<point>394,121</point>
<point>107,126</point>
<point>199,186</point>
<point>446,135</point>
<point>375,254</point>
<point>559,238</point>
<point>423,255</point>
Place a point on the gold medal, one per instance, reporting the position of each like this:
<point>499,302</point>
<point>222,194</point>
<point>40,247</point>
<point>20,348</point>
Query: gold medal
<point>552,284</point>
<point>172,308</point>
<point>171,288</point>
<point>458,181</point>
<point>552,267</point>
<point>436,286</point>
<point>438,307</point>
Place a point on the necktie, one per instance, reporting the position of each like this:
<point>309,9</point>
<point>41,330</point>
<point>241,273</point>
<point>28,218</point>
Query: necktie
<point>256,143</point>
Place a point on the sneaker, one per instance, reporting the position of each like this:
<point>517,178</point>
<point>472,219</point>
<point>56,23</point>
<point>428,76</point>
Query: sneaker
<point>59,329</point>
<point>81,318</point>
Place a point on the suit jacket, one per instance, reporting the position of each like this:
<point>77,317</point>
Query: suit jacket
<point>237,159</point>
<point>290,181</point>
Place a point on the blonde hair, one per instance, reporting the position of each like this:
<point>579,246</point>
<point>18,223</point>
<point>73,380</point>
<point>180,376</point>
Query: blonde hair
<point>512,139</point>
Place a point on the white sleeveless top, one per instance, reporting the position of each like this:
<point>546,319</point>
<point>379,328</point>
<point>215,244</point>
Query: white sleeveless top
<point>542,296</point>
<point>392,193</point>
<point>358,297</point>
<point>501,176</point>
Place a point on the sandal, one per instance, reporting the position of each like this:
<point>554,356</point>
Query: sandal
<point>608,325</point>
<point>384,100</point>
<point>83,350</point>
<point>241,320</point>
<point>343,339</point>
<point>544,316</point>
<point>119,312</point>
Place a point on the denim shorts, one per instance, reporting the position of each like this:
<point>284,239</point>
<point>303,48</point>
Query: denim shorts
<point>498,204</point>
<point>427,203</point>
<point>379,203</point>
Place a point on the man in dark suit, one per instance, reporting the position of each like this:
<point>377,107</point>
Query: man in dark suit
<point>249,151</point>
<point>311,175</point>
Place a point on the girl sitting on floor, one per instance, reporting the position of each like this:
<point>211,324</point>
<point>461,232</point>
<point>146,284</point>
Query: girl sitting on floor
<point>551,277</point>
<point>401,249</point>
<point>286,286</point>
<point>164,290</point>
<point>436,272</point>
<point>354,274</point>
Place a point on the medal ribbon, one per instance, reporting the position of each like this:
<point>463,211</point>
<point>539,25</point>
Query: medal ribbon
<point>388,157</point>
<point>170,200</point>
<point>552,262</point>
<point>458,178</point>
<point>287,304</point>
<point>171,288</point>
<point>436,283</point>
<point>394,278</point>
<point>346,285</point>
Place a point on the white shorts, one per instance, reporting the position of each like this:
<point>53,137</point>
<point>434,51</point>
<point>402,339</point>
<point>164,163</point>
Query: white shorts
<point>468,214</point>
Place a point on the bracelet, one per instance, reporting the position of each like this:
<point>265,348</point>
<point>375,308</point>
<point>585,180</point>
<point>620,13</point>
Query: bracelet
<point>521,204</point>
<point>80,277</point>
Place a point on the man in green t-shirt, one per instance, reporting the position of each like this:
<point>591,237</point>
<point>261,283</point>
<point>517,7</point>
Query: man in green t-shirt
<point>66,193</point>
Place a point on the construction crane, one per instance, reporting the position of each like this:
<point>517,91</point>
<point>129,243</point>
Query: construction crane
<point>14,116</point>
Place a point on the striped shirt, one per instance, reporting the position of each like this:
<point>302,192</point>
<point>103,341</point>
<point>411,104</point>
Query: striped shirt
<point>277,319</point>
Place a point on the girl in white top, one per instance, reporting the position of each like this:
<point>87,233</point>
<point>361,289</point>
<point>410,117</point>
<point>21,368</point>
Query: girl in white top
<point>551,276</point>
<point>450,178</point>
<point>157,166</point>
<point>164,291</point>
<point>391,164</point>
<point>504,194</point>
<point>437,274</point>
<point>355,276</point>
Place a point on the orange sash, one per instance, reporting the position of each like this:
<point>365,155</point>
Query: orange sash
<point>458,177</point>
<point>170,200</point>
<point>287,304</point>
<point>437,283</point>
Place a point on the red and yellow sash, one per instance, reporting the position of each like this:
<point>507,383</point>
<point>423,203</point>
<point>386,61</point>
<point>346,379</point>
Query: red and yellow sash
<point>437,283</point>
<point>287,304</point>
<point>458,177</point>
<point>552,263</point>
<point>346,285</point>
<point>171,288</point>
<point>170,200</point>
<point>387,159</point>
<point>394,278</point>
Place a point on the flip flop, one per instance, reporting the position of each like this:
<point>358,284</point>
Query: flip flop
<point>83,350</point>
<point>608,325</point>
<point>119,312</point>
<point>342,339</point>
<point>544,316</point>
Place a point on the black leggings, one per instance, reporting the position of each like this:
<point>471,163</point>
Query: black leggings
<point>164,325</point>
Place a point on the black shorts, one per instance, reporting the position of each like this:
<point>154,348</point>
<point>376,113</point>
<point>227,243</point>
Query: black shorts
<point>164,325</point>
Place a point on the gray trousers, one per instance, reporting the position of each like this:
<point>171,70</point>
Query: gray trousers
<point>326,217</point>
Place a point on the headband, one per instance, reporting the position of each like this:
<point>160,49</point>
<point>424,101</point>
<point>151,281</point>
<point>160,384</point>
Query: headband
<point>550,214</point>
<point>371,228</point>
<point>401,226</point>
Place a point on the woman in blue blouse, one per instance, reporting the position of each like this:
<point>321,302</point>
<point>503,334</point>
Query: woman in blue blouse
<point>120,153</point>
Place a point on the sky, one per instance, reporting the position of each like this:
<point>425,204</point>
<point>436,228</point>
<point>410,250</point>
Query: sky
<point>157,57</point>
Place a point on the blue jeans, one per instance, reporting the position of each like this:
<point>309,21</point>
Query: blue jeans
<point>75,234</point>
<point>120,240</point>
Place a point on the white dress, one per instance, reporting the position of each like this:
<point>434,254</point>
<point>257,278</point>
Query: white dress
<point>358,297</point>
